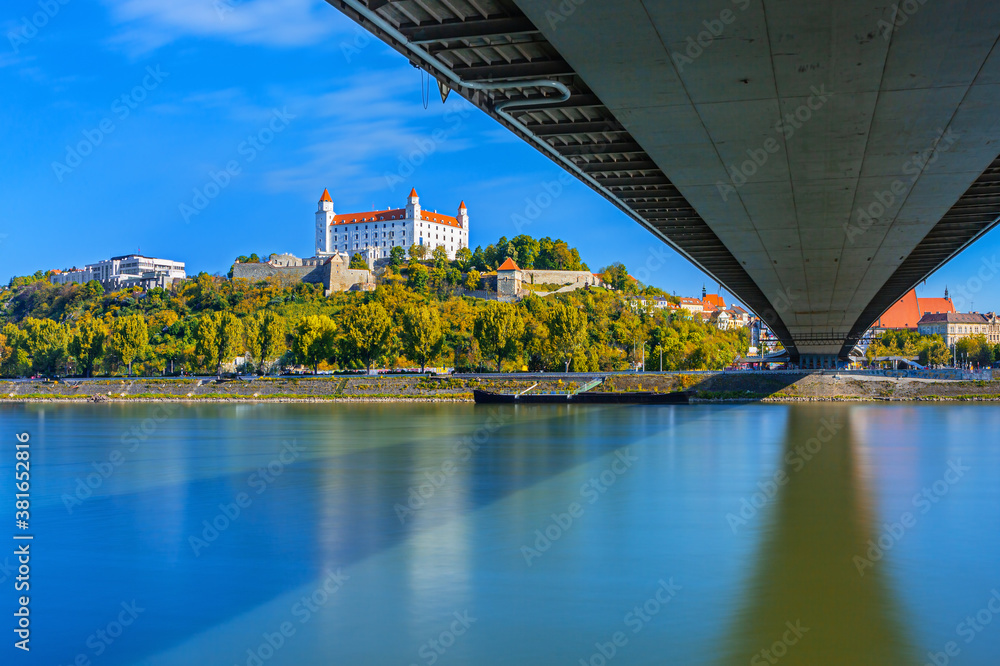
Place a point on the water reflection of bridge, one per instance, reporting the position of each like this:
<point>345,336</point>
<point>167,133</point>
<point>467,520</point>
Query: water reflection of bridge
<point>806,575</point>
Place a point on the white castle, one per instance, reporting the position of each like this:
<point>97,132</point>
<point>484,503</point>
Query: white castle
<point>375,233</point>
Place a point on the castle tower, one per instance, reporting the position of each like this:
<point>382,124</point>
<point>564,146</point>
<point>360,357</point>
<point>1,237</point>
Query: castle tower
<point>463,216</point>
<point>413,205</point>
<point>324,218</point>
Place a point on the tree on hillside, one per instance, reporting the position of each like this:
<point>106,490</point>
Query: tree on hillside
<point>358,262</point>
<point>397,255</point>
<point>264,337</point>
<point>462,257</point>
<point>14,359</point>
<point>314,341</point>
<point>422,336</point>
<point>558,255</point>
<point>527,249</point>
<point>567,330</point>
<point>440,256</point>
<point>128,338</point>
<point>472,280</point>
<point>45,343</point>
<point>616,276</point>
<point>219,337</point>
<point>87,343</point>
<point>418,252</point>
<point>417,277</point>
<point>367,333</point>
<point>93,289</point>
<point>498,331</point>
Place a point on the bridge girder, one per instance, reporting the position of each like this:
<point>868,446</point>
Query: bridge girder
<point>543,73</point>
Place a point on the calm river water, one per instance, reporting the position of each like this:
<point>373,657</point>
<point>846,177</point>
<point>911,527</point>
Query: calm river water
<point>262,535</point>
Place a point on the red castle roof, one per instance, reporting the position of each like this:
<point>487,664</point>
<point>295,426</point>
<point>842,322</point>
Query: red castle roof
<point>393,214</point>
<point>508,265</point>
<point>370,216</point>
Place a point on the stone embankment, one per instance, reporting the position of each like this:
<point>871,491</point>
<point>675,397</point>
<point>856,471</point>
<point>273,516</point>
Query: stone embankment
<point>703,387</point>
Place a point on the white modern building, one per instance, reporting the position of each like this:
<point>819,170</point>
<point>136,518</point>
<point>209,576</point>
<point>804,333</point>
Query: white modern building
<point>374,233</point>
<point>137,265</point>
<point>72,275</point>
<point>125,271</point>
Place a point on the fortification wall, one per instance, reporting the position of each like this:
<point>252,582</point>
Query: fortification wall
<point>333,275</point>
<point>580,278</point>
<point>286,274</point>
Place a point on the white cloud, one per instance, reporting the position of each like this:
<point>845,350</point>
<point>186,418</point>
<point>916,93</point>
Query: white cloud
<point>371,127</point>
<point>149,24</point>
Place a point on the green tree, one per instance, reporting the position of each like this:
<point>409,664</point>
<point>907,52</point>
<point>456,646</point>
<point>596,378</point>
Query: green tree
<point>440,256</point>
<point>128,338</point>
<point>367,333</point>
<point>463,257</point>
<point>472,280</point>
<point>974,349</point>
<point>418,252</point>
<point>498,329</point>
<point>314,341</point>
<point>358,261</point>
<point>417,277</point>
<point>219,337</point>
<point>45,343</point>
<point>397,255</point>
<point>87,343</point>
<point>14,359</point>
<point>935,353</point>
<point>616,277</point>
<point>527,249</point>
<point>93,289</point>
<point>272,335</point>
<point>422,336</point>
<point>567,330</point>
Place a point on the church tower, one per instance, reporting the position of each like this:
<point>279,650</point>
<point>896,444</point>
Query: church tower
<point>324,218</point>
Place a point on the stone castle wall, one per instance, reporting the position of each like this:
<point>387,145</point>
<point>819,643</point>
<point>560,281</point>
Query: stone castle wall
<point>334,275</point>
<point>286,274</point>
<point>580,278</point>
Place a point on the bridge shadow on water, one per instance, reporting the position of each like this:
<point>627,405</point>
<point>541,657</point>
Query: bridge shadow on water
<point>807,603</point>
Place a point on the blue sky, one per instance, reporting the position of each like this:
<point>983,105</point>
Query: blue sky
<point>118,114</point>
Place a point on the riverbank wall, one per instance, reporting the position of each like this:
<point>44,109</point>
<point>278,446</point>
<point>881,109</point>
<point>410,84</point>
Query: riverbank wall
<point>702,387</point>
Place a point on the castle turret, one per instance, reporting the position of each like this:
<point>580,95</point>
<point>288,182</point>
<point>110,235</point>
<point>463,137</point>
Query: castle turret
<point>463,216</point>
<point>324,220</point>
<point>413,205</point>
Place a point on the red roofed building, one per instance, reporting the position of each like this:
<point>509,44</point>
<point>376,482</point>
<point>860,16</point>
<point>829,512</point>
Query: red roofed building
<point>711,302</point>
<point>508,265</point>
<point>508,281</point>
<point>374,233</point>
<point>692,305</point>
<point>907,311</point>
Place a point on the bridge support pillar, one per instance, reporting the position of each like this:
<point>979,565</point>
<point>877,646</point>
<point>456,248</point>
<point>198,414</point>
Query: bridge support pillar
<point>820,362</point>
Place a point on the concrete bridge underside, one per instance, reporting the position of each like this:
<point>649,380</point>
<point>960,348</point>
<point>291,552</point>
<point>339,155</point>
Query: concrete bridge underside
<point>817,159</point>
